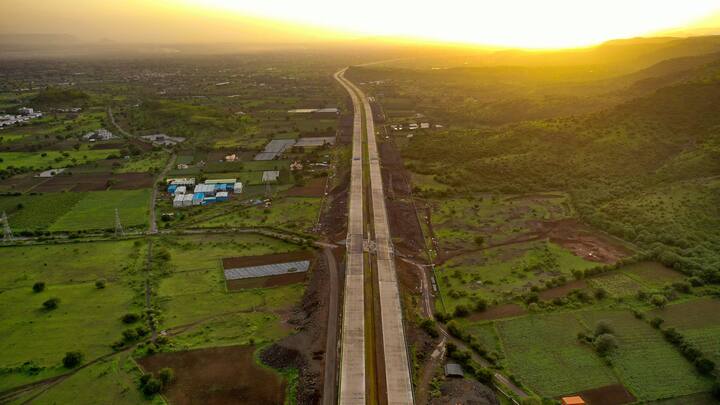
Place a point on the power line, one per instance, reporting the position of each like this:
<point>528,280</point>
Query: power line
<point>7,232</point>
<point>118,226</point>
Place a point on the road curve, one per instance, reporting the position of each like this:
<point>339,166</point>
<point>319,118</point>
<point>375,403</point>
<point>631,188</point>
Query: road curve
<point>352,349</point>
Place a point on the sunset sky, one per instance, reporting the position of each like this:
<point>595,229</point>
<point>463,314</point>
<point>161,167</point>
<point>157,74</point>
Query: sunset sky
<point>507,23</point>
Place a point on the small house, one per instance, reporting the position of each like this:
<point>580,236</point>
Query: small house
<point>205,188</point>
<point>222,196</point>
<point>209,200</point>
<point>172,188</point>
<point>454,370</point>
<point>574,400</point>
<point>188,200</point>
<point>238,188</point>
<point>198,198</point>
<point>178,200</point>
<point>180,190</point>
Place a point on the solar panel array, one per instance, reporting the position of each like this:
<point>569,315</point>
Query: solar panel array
<point>265,270</point>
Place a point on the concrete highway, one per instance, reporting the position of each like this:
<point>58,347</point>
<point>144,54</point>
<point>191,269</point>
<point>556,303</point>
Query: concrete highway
<point>397,384</point>
<point>352,348</point>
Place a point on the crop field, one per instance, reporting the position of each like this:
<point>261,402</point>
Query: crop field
<point>544,353</point>
<point>652,274</point>
<point>616,284</point>
<point>52,159</point>
<point>147,163</point>
<point>650,367</point>
<point>37,212</point>
<point>86,319</point>
<point>698,321</point>
<point>96,210</point>
<point>498,272</point>
<point>292,213</point>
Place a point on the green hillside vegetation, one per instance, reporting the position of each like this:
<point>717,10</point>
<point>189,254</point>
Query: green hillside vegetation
<point>645,170</point>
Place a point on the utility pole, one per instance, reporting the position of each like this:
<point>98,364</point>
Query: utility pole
<point>118,226</point>
<point>7,232</point>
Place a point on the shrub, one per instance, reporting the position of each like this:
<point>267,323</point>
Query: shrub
<point>481,304</point>
<point>130,318</point>
<point>605,343</point>
<point>130,335</point>
<point>39,286</point>
<point>100,284</point>
<point>72,359</point>
<point>152,386</point>
<point>716,390</point>
<point>658,301</point>
<point>656,322</point>
<point>461,311</point>
<point>166,376</point>
<point>600,293</point>
<point>428,325</point>
<point>704,365</point>
<point>603,327</point>
<point>51,304</point>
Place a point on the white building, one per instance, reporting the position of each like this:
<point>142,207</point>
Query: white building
<point>238,188</point>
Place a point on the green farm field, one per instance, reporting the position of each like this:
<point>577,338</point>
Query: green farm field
<point>52,159</point>
<point>96,210</point>
<point>648,366</point>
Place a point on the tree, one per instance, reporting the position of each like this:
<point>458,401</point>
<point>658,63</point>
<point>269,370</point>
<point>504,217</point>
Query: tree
<point>166,375</point>
<point>704,366</point>
<point>39,286</point>
<point>479,240</point>
<point>72,359</point>
<point>100,284</point>
<point>130,318</point>
<point>603,327</point>
<point>605,343</point>
<point>658,301</point>
<point>51,304</point>
<point>152,386</point>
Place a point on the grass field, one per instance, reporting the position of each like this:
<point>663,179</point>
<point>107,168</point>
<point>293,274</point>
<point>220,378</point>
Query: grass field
<point>499,272</point>
<point>96,210</point>
<point>698,321</point>
<point>64,263</point>
<point>293,213</point>
<point>195,289</point>
<point>649,367</point>
<point>52,159</point>
<point>87,318</point>
<point>113,381</point>
<point>152,162</point>
<point>544,353</point>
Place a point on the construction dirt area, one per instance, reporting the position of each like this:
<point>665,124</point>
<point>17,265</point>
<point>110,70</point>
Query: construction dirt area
<point>581,240</point>
<point>219,375</point>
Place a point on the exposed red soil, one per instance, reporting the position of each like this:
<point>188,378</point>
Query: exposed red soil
<point>582,240</point>
<point>247,261</point>
<point>218,376</point>
<point>20,183</point>
<point>305,350</point>
<point>498,312</point>
<point>563,290</point>
<point>464,391</point>
<point>615,394</point>
<point>97,182</point>
<point>313,188</point>
<point>402,216</point>
<point>333,222</point>
<point>264,282</point>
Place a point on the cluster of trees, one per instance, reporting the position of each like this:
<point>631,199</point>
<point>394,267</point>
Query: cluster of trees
<point>704,365</point>
<point>602,339</point>
<point>150,384</point>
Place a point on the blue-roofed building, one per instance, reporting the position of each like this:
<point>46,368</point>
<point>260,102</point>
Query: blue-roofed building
<point>221,187</point>
<point>198,198</point>
<point>171,188</point>
<point>209,200</point>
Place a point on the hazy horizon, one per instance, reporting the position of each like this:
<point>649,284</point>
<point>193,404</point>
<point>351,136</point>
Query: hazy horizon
<point>227,22</point>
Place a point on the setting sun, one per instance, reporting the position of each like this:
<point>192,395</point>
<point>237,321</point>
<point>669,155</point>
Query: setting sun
<point>511,23</point>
